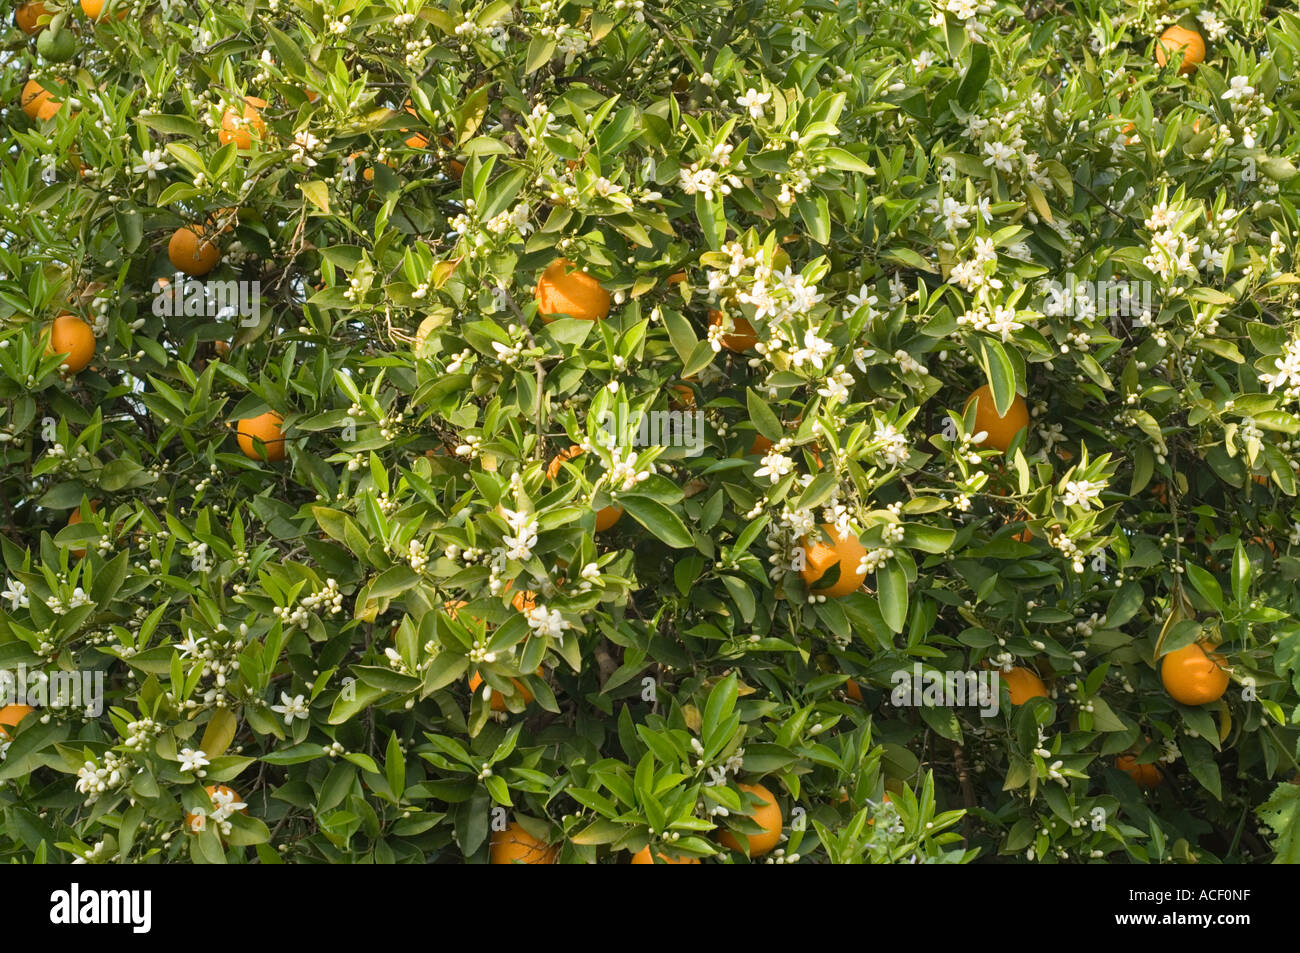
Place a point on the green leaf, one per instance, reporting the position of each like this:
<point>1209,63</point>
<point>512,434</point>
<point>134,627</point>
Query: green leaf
<point>892,584</point>
<point>657,518</point>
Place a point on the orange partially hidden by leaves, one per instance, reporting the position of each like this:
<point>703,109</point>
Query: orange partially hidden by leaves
<point>883,800</point>
<point>1193,676</point>
<point>605,518</point>
<point>37,102</point>
<point>1022,685</point>
<point>266,428</point>
<point>192,252</point>
<point>1025,535</point>
<point>853,690</point>
<point>240,129</point>
<point>1189,42</point>
<point>820,556</point>
<point>415,140</point>
<point>684,399</point>
<point>27,16</point>
<point>11,715</point>
<point>223,220</point>
<point>767,816</point>
<point>514,845</point>
<point>643,857</point>
<point>74,338</point>
<point>1000,431</point>
<point>565,290</point>
<point>73,520</point>
<point>213,790</point>
<point>498,701</point>
<point>742,336</point>
<point>1144,775</point>
<point>95,8</point>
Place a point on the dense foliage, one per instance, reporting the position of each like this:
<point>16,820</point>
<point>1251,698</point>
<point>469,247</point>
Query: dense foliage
<point>903,201</point>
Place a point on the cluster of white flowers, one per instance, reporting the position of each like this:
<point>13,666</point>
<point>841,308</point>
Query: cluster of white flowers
<point>954,214</point>
<point>225,803</point>
<point>140,733</point>
<point>879,555</point>
<point>94,780</point>
<point>1001,321</point>
<point>519,543</point>
<point>1215,29</point>
<point>77,598</point>
<point>967,11</point>
<point>836,386</point>
<point>775,464</point>
<point>546,622</point>
<point>627,471</point>
<point>416,557</point>
<point>717,777</point>
<point>892,446</point>
<point>304,148</point>
<point>702,177</point>
<point>1083,493</point>
<point>1070,550</point>
<point>1170,254</point>
<point>516,219</point>
<point>1287,371</point>
<point>977,272</point>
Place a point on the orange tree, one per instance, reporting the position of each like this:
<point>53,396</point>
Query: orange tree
<point>304,310</point>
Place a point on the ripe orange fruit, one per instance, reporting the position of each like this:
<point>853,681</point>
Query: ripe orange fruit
<point>1000,430</point>
<point>37,103</point>
<point>606,517</point>
<point>1193,676</point>
<point>192,252</point>
<point>575,293</point>
<point>760,445</point>
<point>514,845</point>
<point>643,857</point>
<point>265,427</point>
<point>27,16</point>
<point>11,715</point>
<point>74,338</point>
<point>1023,684</point>
<point>93,8</point>
<point>241,129</point>
<point>213,789</point>
<point>853,690</point>
<point>767,815</point>
<point>819,557</point>
<point>73,520</point>
<point>743,337</point>
<point>1144,775</point>
<point>1178,38</point>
